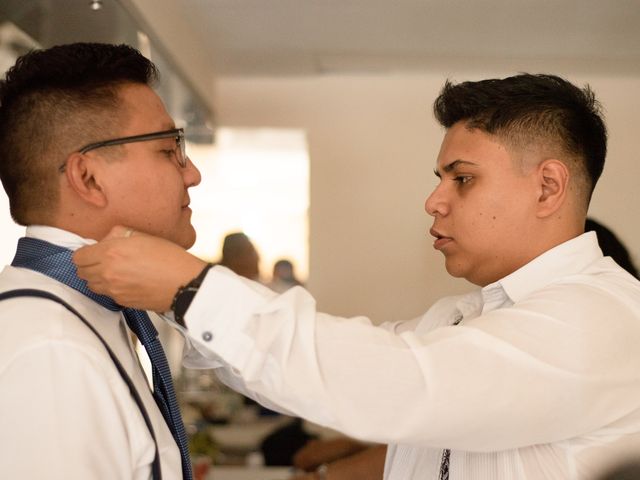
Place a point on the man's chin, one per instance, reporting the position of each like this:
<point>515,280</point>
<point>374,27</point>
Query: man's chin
<point>471,276</point>
<point>455,269</point>
<point>184,237</point>
<point>187,240</point>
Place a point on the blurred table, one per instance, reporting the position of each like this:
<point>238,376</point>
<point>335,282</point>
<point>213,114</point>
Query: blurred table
<point>248,473</point>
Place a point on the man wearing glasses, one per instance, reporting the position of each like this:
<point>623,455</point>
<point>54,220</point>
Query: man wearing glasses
<point>85,144</point>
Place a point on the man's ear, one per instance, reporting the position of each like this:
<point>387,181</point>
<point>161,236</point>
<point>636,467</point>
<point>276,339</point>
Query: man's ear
<point>553,180</point>
<point>84,179</point>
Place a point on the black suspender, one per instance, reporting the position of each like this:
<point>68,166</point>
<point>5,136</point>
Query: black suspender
<point>28,292</point>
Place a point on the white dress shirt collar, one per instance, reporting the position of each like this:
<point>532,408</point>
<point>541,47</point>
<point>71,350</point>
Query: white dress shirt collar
<point>568,258</point>
<point>57,236</point>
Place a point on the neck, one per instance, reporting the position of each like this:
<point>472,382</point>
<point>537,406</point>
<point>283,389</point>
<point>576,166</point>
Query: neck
<point>86,224</point>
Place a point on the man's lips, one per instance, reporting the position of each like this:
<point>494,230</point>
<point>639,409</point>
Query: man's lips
<point>440,239</point>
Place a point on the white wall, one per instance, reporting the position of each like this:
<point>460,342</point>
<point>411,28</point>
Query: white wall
<point>9,232</point>
<point>373,144</point>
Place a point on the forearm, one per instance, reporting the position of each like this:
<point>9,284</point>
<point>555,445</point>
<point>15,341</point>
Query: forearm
<point>365,465</point>
<point>317,452</point>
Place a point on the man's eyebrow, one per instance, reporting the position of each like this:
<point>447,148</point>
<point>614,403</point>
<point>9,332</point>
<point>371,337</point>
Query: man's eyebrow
<point>453,165</point>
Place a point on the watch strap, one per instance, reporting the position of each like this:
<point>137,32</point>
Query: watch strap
<point>185,294</point>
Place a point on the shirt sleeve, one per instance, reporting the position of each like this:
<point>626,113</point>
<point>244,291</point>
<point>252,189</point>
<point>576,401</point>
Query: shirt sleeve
<point>517,376</point>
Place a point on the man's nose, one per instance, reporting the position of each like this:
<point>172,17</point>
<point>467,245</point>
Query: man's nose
<point>435,203</point>
<point>191,174</point>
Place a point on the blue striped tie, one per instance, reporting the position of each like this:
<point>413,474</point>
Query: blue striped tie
<point>55,262</point>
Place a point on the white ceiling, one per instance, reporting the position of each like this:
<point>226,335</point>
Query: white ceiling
<point>308,37</point>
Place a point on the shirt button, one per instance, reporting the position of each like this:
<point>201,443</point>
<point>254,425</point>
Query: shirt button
<point>207,336</point>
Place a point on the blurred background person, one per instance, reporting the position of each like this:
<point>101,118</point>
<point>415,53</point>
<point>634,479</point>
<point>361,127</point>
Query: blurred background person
<point>340,458</point>
<point>611,245</point>
<point>283,277</point>
<point>625,471</point>
<point>240,255</point>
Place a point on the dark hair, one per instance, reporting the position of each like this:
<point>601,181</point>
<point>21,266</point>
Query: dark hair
<point>611,245</point>
<point>53,102</point>
<point>283,262</point>
<point>624,471</point>
<point>240,255</point>
<point>235,244</point>
<point>529,108</point>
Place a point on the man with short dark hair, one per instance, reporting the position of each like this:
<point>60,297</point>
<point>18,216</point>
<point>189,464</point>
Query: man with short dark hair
<point>85,144</point>
<point>533,375</point>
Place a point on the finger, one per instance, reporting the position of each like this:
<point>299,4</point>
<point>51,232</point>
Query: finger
<point>89,273</point>
<point>87,256</point>
<point>97,284</point>
<point>98,287</point>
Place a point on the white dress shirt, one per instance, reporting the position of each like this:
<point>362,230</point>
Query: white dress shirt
<point>66,413</point>
<point>541,380</point>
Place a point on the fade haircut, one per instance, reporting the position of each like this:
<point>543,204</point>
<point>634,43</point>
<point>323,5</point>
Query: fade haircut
<point>530,110</point>
<point>52,103</point>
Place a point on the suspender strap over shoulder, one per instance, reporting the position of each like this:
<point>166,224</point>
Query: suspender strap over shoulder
<point>27,292</point>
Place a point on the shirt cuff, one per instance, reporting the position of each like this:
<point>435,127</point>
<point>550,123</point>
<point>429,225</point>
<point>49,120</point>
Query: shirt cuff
<point>219,314</point>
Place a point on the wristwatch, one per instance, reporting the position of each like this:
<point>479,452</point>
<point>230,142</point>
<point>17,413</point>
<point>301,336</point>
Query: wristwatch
<point>184,296</point>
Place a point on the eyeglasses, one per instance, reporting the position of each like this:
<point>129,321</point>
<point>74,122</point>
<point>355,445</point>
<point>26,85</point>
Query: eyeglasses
<point>177,133</point>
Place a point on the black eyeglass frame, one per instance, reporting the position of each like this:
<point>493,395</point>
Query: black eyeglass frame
<point>177,133</point>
